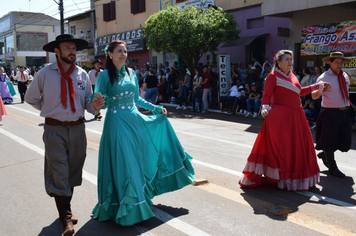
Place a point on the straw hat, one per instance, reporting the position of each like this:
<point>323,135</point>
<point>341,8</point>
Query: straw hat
<point>336,55</point>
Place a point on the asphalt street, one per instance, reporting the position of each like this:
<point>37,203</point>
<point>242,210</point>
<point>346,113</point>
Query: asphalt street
<point>219,144</point>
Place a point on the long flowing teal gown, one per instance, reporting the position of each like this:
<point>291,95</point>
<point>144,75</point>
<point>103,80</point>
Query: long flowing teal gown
<point>140,155</point>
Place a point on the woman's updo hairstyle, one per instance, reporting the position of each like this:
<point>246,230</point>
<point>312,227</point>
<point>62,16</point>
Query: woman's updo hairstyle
<point>278,57</point>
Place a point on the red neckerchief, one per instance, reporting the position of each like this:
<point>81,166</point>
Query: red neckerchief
<point>342,85</point>
<point>23,78</point>
<point>96,73</point>
<point>64,87</point>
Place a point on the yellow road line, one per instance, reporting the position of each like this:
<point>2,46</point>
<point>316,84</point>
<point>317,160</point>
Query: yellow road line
<point>299,218</point>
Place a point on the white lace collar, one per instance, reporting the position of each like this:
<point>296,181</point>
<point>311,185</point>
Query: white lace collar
<point>282,73</point>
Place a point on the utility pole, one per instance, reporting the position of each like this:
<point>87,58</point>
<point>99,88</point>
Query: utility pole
<point>61,9</point>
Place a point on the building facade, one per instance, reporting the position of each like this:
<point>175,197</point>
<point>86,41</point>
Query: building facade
<point>260,36</point>
<point>126,19</point>
<point>22,36</point>
<point>307,15</point>
<point>83,26</point>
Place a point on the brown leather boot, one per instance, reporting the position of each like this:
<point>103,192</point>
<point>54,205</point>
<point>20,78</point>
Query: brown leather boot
<point>332,165</point>
<point>65,214</point>
<point>68,228</point>
<point>74,218</point>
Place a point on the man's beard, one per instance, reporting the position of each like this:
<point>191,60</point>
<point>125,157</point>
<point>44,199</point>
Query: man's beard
<point>68,59</point>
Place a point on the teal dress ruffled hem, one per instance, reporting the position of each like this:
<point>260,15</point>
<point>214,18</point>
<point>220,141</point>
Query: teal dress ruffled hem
<point>140,156</point>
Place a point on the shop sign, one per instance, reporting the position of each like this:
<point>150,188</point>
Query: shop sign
<point>164,4</point>
<point>133,39</point>
<point>326,38</point>
<point>224,74</point>
<point>350,69</point>
<point>82,57</point>
<point>200,4</point>
<point>10,56</point>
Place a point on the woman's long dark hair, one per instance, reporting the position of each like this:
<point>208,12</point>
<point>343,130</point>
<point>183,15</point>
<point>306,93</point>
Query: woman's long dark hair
<point>110,65</point>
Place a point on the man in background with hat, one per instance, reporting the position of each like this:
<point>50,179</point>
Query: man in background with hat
<point>93,74</point>
<point>61,92</point>
<point>333,129</point>
<point>22,78</point>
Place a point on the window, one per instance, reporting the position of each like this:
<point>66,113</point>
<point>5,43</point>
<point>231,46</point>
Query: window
<point>2,45</point>
<point>109,11</point>
<point>9,42</point>
<point>154,61</point>
<point>30,42</point>
<point>255,23</point>
<point>132,61</point>
<point>138,6</point>
<point>72,30</point>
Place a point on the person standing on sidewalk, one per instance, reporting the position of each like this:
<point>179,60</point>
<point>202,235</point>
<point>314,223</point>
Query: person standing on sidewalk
<point>333,127</point>
<point>185,77</point>
<point>61,92</point>
<point>93,74</point>
<point>206,87</point>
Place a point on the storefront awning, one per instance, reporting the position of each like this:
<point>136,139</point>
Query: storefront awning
<point>242,41</point>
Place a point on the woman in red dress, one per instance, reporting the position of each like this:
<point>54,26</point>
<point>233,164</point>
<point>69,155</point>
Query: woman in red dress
<point>284,149</point>
<point>2,109</point>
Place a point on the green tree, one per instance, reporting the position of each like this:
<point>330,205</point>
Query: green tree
<point>189,32</point>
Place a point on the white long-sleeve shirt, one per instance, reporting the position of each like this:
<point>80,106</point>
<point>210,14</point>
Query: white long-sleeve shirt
<point>44,94</point>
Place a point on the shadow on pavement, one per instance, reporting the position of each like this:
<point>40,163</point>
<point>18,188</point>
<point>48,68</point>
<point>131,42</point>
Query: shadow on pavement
<point>53,229</point>
<point>265,199</point>
<point>94,227</point>
<point>337,188</point>
<point>273,202</point>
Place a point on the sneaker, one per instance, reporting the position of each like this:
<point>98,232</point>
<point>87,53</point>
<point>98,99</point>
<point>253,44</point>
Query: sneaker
<point>204,111</point>
<point>245,112</point>
<point>248,114</point>
<point>185,108</point>
<point>255,115</point>
<point>241,112</point>
<point>178,107</point>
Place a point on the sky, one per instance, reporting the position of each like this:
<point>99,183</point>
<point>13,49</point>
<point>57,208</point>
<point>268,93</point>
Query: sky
<point>48,7</point>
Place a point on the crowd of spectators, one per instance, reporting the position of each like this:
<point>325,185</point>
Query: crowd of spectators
<point>177,85</point>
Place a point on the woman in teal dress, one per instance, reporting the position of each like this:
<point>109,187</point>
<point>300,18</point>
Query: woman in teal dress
<point>140,156</point>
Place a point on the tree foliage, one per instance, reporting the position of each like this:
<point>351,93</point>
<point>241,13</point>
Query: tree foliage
<point>189,32</point>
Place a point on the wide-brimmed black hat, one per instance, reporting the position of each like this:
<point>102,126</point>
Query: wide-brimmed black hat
<point>97,61</point>
<point>80,43</point>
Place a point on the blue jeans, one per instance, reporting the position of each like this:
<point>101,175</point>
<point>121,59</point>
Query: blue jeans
<point>197,95</point>
<point>183,93</point>
<point>151,94</point>
<point>256,103</point>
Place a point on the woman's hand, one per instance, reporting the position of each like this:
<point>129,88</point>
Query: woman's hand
<point>164,111</point>
<point>327,87</point>
<point>98,102</point>
<point>265,110</point>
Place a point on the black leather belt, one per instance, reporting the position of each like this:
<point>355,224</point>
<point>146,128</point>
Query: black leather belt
<point>51,121</point>
<point>337,108</point>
